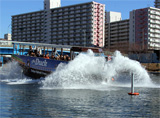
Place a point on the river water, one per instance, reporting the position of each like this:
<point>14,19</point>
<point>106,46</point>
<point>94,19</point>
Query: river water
<point>83,89</point>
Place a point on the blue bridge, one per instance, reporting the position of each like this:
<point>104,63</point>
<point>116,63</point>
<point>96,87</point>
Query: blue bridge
<point>6,50</point>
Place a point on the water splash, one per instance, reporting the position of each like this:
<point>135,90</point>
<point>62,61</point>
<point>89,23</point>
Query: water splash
<point>10,70</point>
<point>88,71</point>
<point>11,73</point>
<point>121,67</point>
<point>77,73</point>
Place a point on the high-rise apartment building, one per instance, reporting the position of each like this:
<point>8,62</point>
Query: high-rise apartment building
<point>145,28</point>
<point>117,35</point>
<point>28,27</point>
<point>80,24</point>
<point>116,32</point>
<point>157,4</point>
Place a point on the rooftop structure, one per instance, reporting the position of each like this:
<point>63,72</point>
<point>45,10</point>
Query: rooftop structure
<point>113,16</point>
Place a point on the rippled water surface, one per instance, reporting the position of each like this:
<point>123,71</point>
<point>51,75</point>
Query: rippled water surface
<point>24,101</point>
<point>87,87</point>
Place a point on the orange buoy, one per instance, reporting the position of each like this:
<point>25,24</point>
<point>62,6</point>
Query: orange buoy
<point>112,79</point>
<point>133,93</point>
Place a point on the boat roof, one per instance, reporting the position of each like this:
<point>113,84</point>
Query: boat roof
<point>85,49</point>
<point>41,44</point>
<point>72,48</point>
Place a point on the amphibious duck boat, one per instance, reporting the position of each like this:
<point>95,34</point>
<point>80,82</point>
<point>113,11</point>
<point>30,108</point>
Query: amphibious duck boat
<point>35,62</point>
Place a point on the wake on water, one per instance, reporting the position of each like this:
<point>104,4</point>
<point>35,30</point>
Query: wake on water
<point>85,72</point>
<point>11,73</point>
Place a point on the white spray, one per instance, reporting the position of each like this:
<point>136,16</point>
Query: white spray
<point>10,70</point>
<point>11,73</point>
<point>87,71</point>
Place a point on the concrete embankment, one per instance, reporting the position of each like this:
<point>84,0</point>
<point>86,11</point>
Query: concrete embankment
<point>152,67</point>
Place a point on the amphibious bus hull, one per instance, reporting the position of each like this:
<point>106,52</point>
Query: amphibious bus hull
<point>37,67</point>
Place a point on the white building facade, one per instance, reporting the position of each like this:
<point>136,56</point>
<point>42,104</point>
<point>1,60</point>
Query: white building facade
<point>145,28</point>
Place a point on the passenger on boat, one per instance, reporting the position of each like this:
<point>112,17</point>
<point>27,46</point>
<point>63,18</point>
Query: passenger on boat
<point>47,56</point>
<point>36,51</point>
<point>52,56</point>
<point>30,51</point>
<point>38,54</point>
<point>58,57</point>
<point>64,58</point>
<point>43,55</point>
<point>68,58</point>
<point>56,53</point>
<point>61,57</point>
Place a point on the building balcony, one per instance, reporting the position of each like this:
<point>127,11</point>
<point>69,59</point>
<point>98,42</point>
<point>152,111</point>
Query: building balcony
<point>113,31</point>
<point>124,38</point>
<point>65,28</point>
<point>155,40</point>
<point>66,13</point>
<point>124,34</point>
<point>113,25</point>
<point>84,14</point>
<point>113,28</point>
<point>114,35</point>
<point>126,26</point>
<point>71,43</point>
<point>66,20</point>
<point>78,15</point>
<point>154,35</point>
<point>124,23</point>
<point>78,19</point>
<point>124,30</point>
<point>54,41</point>
<point>71,16</point>
<point>71,8</point>
<point>71,40</point>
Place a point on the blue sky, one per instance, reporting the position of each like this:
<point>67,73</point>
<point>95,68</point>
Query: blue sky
<point>14,7</point>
